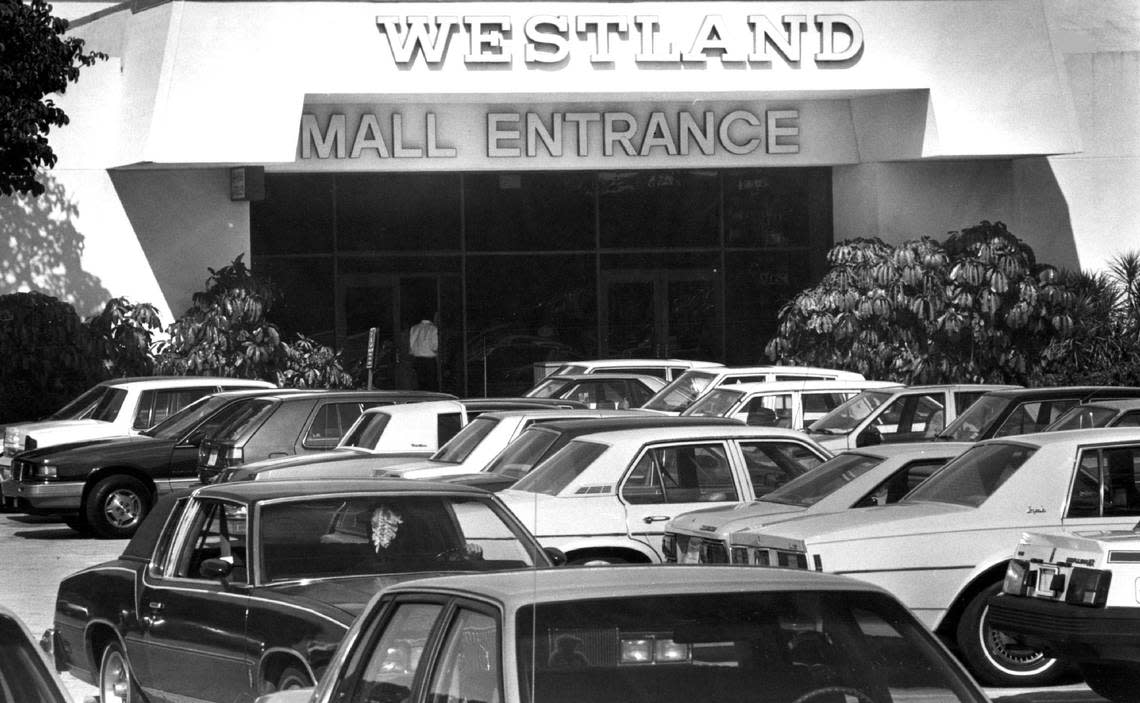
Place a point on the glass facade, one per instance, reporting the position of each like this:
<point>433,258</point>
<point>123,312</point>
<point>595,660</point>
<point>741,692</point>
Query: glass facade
<point>523,268</point>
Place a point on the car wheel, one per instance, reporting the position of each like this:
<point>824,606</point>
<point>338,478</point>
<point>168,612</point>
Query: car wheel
<point>292,677</point>
<point>1116,681</point>
<point>116,683</point>
<point>995,658</point>
<point>596,561</point>
<point>116,505</point>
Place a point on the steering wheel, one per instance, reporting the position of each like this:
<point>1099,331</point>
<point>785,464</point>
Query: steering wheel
<point>844,690</point>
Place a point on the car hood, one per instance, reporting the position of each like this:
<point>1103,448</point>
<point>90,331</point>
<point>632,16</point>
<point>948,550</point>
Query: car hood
<point>278,462</point>
<point>737,516</point>
<point>895,520</point>
<point>106,446</point>
<point>399,469</point>
<point>348,594</point>
<point>59,431</point>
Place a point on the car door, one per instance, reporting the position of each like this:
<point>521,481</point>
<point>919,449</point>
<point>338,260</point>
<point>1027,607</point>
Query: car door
<point>193,628</point>
<point>666,480</point>
<point>1105,491</point>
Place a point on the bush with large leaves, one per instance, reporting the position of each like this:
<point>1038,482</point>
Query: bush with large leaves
<point>975,308</point>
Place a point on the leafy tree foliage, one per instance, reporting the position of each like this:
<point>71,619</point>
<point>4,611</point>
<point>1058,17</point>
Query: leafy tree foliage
<point>122,335</point>
<point>35,61</point>
<point>977,307</point>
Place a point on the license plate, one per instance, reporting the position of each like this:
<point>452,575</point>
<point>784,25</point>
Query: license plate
<point>1045,576</point>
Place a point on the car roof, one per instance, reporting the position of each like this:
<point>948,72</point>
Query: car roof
<point>1101,435</point>
<point>1054,391</point>
<point>806,385</point>
<point>257,491</point>
<point>520,587</point>
<point>561,413</point>
<point>652,363</point>
<point>1113,403</point>
<point>424,407</point>
<point>963,387</point>
<point>179,381</point>
<point>293,394</point>
<point>601,376</point>
<point>665,433</point>
<point>918,449</point>
<point>604,424</point>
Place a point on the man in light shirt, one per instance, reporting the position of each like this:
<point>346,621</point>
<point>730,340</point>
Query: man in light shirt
<point>423,344</point>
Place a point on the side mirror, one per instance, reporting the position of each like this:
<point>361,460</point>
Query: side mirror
<point>216,569</point>
<point>869,437</point>
<point>557,556</point>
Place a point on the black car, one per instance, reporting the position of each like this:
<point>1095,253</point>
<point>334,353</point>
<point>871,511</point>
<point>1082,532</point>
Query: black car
<point>243,588</point>
<point>106,486</point>
<point>1024,410</point>
<point>292,423</point>
<point>541,440</point>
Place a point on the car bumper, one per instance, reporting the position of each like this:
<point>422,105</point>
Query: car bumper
<point>1069,631</point>
<point>62,497</point>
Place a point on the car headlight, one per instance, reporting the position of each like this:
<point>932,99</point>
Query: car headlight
<point>44,471</point>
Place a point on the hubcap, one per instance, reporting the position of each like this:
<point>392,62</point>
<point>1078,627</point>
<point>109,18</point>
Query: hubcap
<point>115,680</point>
<point>1008,653</point>
<point>123,508</point>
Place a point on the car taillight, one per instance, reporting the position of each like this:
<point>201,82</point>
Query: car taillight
<point>792,560</point>
<point>1019,580</point>
<point>1088,587</point>
<point>713,553</point>
<point>669,546</point>
<point>740,555</point>
<point>12,440</point>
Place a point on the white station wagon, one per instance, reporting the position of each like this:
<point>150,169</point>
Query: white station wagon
<point>606,497</point>
<point>944,549</point>
<point>793,404</point>
<point>686,388</point>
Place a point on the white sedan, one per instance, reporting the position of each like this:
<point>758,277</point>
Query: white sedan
<point>943,550</point>
<point>606,497</point>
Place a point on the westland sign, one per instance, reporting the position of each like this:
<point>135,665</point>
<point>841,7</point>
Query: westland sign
<point>545,40</point>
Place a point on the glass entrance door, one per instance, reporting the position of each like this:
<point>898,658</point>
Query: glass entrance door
<point>660,314</point>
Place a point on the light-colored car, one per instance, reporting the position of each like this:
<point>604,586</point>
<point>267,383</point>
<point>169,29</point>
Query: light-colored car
<point>1122,412</point>
<point>667,369</point>
<point>943,550</point>
<point>118,407</point>
<point>794,404</point>
<point>26,675</point>
<point>902,414</point>
<point>626,634</point>
<point>856,478</point>
<point>599,390</point>
<point>607,496</point>
<point>471,449</point>
<point>686,388</point>
<point>1076,596</point>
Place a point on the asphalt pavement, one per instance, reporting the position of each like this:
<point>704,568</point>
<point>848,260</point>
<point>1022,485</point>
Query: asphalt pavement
<point>36,553</point>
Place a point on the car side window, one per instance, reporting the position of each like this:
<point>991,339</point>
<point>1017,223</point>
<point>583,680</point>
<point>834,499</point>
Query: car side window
<point>772,464</point>
<point>1129,419</point>
<point>217,531</point>
<point>909,416</point>
<point>687,473</point>
<point>778,403</point>
<point>1107,483</point>
<point>385,667</point>
<point>898,484</point>
<point>1034,417</point>
<point>157,405</point>
<point>468,664</point>
<point>816,405</point>
<point>330,423</point>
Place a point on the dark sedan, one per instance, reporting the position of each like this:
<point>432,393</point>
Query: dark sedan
<point>240,589</point>
<point>1025,410</point>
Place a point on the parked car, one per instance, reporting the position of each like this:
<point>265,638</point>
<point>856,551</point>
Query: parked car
<point>1019,411</point>
<point>793,404</point>
<point>116,408</point>
<point>107,486</point>
<point>1074,596</point>
<point>469,450</point>
<point>943,550</point>
<point>622,634</point>
<point>1123,412</point>
<point>240,589</point>
<point>667,369</point>
<point>599,390</point>
<point>857,478</point>
<point>900,414</point>
<point>26,675</point>
<point>292,423</point>
<point>606,497</point>
<point>543,439</point>
<point>686,388</point>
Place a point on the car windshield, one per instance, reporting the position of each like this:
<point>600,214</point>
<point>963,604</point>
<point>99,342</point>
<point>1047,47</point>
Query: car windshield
<point>565,465</point>
<point>23,675</point>
<point>974,476</point>
<point>972,424</point>
<point>823,480</point>
<point>82,406</point>
<point>550,388</point>
<point>677,396</point>
<point>1083,417</point>
<point>316,537</point>
<point>459,447</point>
<point>185,419</point>
<point>770,646</point>
<point>716,403</point>
<point>366,431</point>
<point>847,416</point>
<point>520,456</point>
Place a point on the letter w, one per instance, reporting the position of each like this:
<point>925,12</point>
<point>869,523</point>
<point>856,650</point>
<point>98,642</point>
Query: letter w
<point>406,37</point>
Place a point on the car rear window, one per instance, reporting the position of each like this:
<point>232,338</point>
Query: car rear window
<point>367,430</point>
<point>974,476</point>
<point>108,406</point>
<point>715,403</point>
<point>459,447</point>
<point>557,472</point>
<point>679,394</point>
<point>520,456</point>
<point>244,419</point>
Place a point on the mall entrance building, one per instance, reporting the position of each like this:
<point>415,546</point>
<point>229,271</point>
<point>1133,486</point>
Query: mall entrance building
<point>581,179</point>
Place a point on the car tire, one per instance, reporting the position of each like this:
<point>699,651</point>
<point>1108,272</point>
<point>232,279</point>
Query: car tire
<point>1116,681</point>
<point>292,677</point>
<point>116,506</point>
<point>116,682</point>
<point>596,561</point>
<point>992,657</point>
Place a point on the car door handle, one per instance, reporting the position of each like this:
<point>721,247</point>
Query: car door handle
<point>650,519</point>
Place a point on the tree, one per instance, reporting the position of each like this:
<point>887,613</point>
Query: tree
<point>35,61</point>
<point>977,308</point>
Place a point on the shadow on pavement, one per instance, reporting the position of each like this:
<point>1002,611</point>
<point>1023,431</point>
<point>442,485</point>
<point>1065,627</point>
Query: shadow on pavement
<point>53,534</point>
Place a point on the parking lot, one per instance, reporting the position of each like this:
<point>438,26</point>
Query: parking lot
<point>38,552</point>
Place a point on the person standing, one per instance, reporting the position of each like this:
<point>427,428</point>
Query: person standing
<point>423,343</point>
